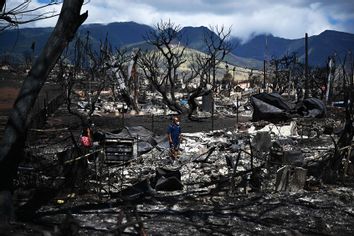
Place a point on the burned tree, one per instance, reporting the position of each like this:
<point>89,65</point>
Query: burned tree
<point>318,77</point>
<point>198,75</point>
<point>283,74</point>
<point>254,79</point>
<point>217,47</point>
<point>227,82</point>
<point>124,73</point>
<point>204,65</point>
<point>287,75</point>
<point>337,165</point>
<point>84,79</point>
<point>161,65</point>
<point>92,71</point>
<point>12,146</point>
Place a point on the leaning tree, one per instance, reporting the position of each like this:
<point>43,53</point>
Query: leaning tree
<point>124,75</point>
<point>13,142</point>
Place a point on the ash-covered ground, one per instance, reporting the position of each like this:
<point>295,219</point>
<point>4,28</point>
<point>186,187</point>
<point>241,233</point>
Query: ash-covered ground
<point>250,178</point>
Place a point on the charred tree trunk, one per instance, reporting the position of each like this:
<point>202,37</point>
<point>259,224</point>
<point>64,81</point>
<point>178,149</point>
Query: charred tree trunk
<point>12,146</point>
<point>2,4</point>
<point>124,79</point>
<point>134,77</point>
<point>130,100</point>
<point>170,103</point>
<point>345,140</point>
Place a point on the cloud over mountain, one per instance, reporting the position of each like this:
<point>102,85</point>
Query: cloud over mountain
<point>290,19</point>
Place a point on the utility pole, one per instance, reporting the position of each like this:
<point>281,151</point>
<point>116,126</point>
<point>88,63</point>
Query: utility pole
<point>264,63</point>
<point>351,80</point>
<point>351,68</point>
<point>277,75</point>
<point>264,74</point>
<point>214,74</point>
<point>213,94</point>
<point>306,67</point>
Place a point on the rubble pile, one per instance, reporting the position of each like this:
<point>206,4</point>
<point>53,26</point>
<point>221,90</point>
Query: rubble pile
<point>259,180</point>
<point>274,107</point>
<point>265,176</point>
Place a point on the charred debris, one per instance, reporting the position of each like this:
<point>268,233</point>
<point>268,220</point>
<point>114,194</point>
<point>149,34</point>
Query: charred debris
<point>283,166</point>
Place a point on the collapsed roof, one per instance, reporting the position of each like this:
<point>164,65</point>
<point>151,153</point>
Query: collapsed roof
<point>273,107</point>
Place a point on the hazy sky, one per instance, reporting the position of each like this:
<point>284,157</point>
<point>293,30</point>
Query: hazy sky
<point>284,18</point>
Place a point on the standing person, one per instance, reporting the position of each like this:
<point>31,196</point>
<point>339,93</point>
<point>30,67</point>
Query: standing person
<point>76,171</point>
<point>174,136</point>
<point>86,137</point>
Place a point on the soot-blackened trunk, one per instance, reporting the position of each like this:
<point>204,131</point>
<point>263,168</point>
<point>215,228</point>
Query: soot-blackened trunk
<point>12,145</point>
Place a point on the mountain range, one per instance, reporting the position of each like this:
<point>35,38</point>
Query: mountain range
<point>18,43</point>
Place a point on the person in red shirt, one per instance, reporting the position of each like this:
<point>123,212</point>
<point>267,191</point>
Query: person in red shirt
<point>86,137</point>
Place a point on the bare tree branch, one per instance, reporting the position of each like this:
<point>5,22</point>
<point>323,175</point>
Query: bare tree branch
<point>161,67</point>
<point>22,14</point>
